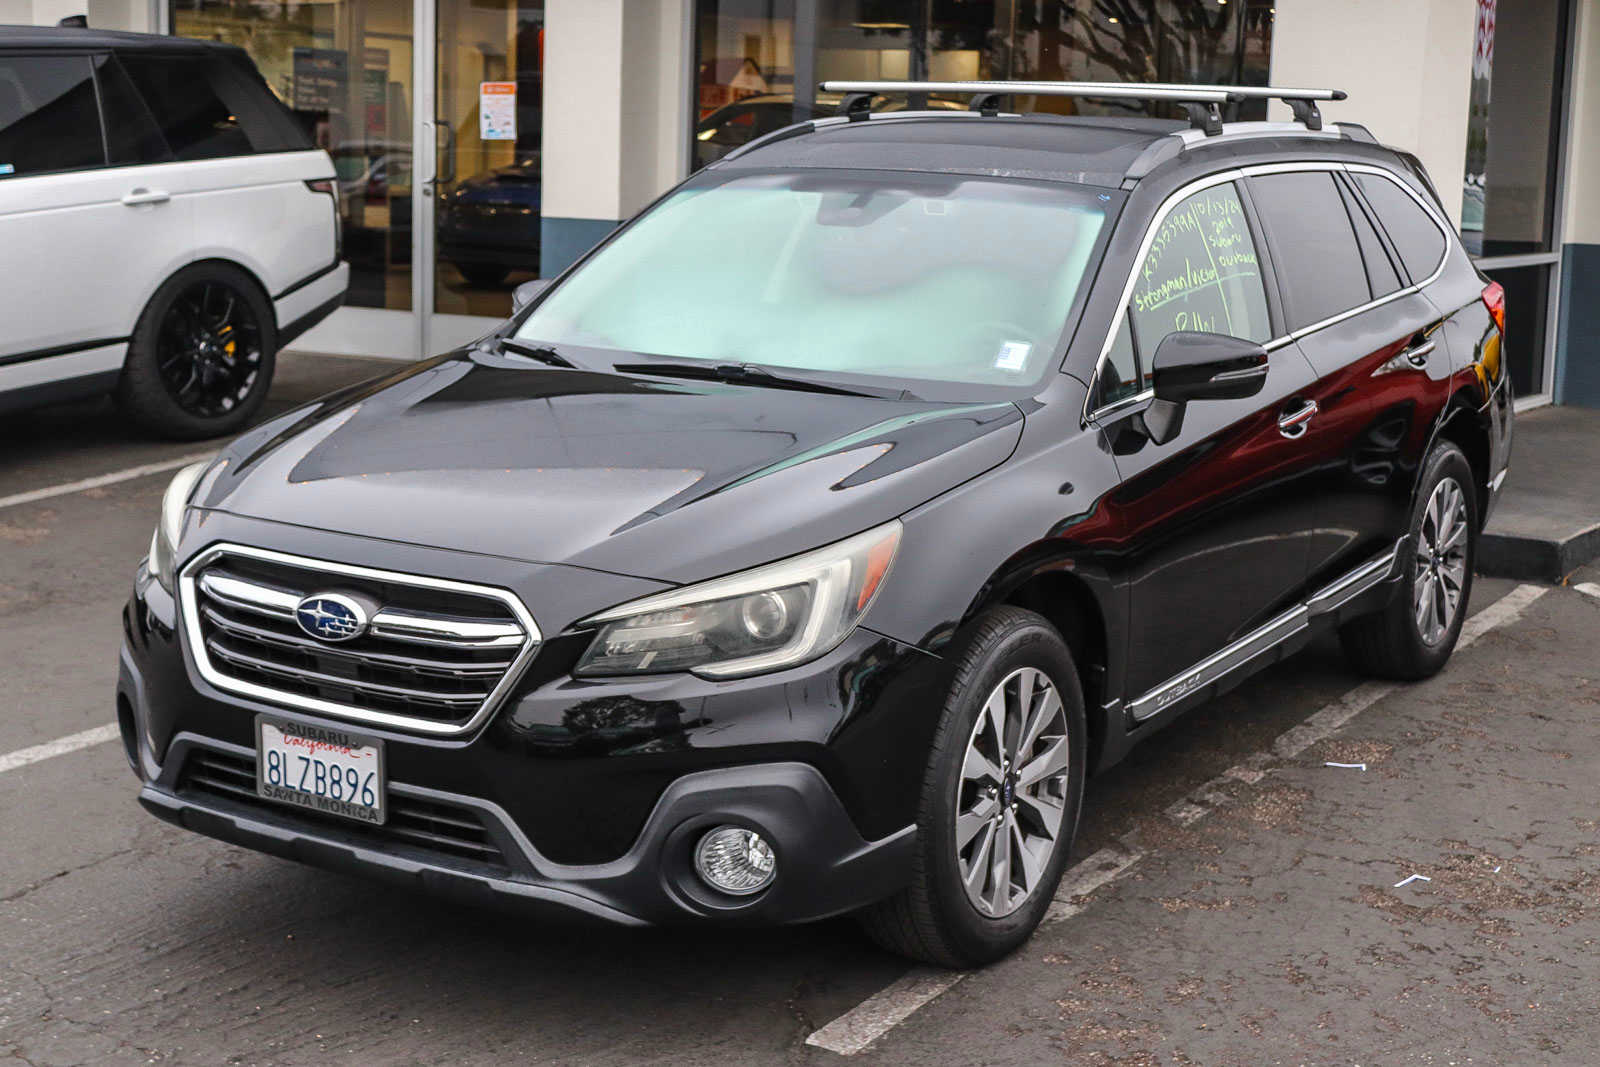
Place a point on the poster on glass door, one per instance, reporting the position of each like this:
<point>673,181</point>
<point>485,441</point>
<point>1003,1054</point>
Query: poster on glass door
<point>497,111</point>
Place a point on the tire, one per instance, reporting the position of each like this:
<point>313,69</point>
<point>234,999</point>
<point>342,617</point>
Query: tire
<point>202,354</point>
<point>936,919</point>
<point>1402,641</point>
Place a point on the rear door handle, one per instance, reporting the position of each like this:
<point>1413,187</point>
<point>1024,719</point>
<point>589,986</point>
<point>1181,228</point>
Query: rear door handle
<point>1417,355</point>
<point>1293,423</point>
<point>141,195</point>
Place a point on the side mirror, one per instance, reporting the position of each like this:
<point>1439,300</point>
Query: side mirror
<point>523,294</point>
<point>1199,366</point>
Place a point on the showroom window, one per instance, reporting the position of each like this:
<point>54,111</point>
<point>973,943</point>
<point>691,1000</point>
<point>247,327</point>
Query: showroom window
<point>346,69</point>
<point>758,61</point>
<point>1515,141</point>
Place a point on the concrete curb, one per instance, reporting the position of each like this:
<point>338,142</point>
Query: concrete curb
<point>1544,559</point>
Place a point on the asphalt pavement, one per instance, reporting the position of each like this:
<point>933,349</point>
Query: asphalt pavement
<point>1234,899</point>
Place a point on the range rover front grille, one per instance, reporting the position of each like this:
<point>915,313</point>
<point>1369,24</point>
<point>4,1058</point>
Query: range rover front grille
<point>434,826</point>
<point>434,658</point>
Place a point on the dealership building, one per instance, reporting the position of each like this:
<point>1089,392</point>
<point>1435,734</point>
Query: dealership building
<point>482,143</point>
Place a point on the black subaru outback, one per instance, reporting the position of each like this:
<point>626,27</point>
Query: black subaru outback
<point>803,548</point>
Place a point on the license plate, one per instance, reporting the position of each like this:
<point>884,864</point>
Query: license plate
<point>321,768</point>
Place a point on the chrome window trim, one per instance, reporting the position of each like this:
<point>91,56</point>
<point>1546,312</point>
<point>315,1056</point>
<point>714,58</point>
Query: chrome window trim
<point>1092,416</point>
<point>194,639</point>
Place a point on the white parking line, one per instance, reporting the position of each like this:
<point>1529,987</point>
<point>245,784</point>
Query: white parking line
<point>881,1012</point>
<point>1084,877</point>
<point>874,1017</point>
<point>1502,611</point>
<point>1588,589</point>
<point>34,495</point>
<point>59,747</point>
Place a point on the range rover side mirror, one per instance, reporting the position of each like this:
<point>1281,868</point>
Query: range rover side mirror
<point>523,294</point>
<point>1199,366</point>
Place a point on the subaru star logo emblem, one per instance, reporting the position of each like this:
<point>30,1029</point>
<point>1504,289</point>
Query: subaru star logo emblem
<point>331,617</point>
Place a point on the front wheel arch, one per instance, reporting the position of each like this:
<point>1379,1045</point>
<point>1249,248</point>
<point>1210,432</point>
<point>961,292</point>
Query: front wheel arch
<point>1055,590</point>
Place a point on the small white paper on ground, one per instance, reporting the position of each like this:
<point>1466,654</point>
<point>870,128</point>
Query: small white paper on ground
<point>1347,766</point>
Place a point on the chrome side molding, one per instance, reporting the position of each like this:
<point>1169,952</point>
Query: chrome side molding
<point>1268,636</point>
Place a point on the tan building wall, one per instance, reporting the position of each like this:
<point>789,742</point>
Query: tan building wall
<point>1407,65</point>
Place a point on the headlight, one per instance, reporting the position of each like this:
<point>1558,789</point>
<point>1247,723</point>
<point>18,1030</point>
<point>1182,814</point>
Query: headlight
<point>760,620</point>
<point>164,542</point>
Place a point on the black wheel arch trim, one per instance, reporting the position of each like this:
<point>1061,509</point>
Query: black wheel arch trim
<point>295,287</point>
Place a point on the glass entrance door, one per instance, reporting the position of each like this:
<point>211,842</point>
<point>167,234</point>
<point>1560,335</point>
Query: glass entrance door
<point>484,194</point>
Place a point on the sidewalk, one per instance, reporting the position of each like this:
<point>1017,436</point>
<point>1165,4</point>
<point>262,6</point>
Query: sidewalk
<point>1547,523</point>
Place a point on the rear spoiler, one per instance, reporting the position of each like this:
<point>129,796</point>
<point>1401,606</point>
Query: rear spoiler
<point>1415,166</point>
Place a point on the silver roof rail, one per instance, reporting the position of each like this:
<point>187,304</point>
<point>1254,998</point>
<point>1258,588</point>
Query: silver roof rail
<point>1202,102</point>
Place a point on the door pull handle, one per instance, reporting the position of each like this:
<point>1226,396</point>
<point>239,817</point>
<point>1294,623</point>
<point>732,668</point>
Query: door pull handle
<point>1417,355</point>
<point>141,195</point>
<point>1293,424</point>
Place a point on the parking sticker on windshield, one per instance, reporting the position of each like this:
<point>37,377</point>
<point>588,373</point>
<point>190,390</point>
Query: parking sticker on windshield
<point>1013,355</point>
<point>7,168</point>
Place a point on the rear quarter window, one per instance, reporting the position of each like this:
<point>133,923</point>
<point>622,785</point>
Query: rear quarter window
<point>211,106</point>
<point>1416,236</point>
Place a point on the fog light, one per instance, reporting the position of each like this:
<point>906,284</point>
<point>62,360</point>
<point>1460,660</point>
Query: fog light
<point>735,860</point>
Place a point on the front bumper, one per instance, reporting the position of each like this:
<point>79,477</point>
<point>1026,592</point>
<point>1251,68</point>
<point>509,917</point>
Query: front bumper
<point>594,795</point>
<point>824,865</point>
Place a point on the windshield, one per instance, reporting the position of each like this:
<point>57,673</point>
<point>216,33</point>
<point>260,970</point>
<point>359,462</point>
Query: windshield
<point>930,277</point>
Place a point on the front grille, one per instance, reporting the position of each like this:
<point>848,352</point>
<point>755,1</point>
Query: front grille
<point>441,829</point>
<point>435,656</point>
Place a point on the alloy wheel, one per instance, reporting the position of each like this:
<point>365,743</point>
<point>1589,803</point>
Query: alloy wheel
<point>1012,794</point>
<point>208,349</point>
<point>1440,568</point>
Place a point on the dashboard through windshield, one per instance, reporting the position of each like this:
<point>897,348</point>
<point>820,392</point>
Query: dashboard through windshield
<point>905,276</point>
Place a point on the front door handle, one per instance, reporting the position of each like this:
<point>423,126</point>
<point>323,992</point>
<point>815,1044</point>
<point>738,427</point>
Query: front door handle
<point>141,195</point>
<point>1417,355</point>
<point>1292,424</point>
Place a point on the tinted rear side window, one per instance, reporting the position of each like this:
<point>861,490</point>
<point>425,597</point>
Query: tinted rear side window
<point>48,118</point>
<point>207,106</point>
<point>1314,249</point>
<point>1414,233</point>
<point>132,135</point>
<point>1381,274</point>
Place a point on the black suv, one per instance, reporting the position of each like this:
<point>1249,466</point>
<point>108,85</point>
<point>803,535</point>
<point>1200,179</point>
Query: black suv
<point>803,548</point>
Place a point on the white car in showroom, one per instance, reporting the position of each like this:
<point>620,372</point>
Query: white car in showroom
<point>167,227</point>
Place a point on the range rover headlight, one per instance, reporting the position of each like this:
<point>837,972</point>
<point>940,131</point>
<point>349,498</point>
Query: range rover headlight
<point>765,619</point>
<point>164,542</point>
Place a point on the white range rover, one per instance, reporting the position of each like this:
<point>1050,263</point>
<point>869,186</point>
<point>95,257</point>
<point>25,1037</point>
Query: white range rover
<point>166,226</point>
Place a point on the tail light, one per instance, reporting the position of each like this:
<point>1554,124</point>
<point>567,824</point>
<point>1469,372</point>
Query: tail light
<point>1494,298</point>
<point>330,187</point>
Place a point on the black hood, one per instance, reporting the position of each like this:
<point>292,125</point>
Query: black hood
<point>675,481</point>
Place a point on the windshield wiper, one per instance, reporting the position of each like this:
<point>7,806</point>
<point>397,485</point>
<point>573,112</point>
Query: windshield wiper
<point>542,353</point>
<point>752,374</point>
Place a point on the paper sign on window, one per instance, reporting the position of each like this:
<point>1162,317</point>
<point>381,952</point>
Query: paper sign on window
<point>497,111</point>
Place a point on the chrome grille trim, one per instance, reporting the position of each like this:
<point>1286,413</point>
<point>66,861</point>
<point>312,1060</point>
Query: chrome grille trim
<point>231,596</point>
